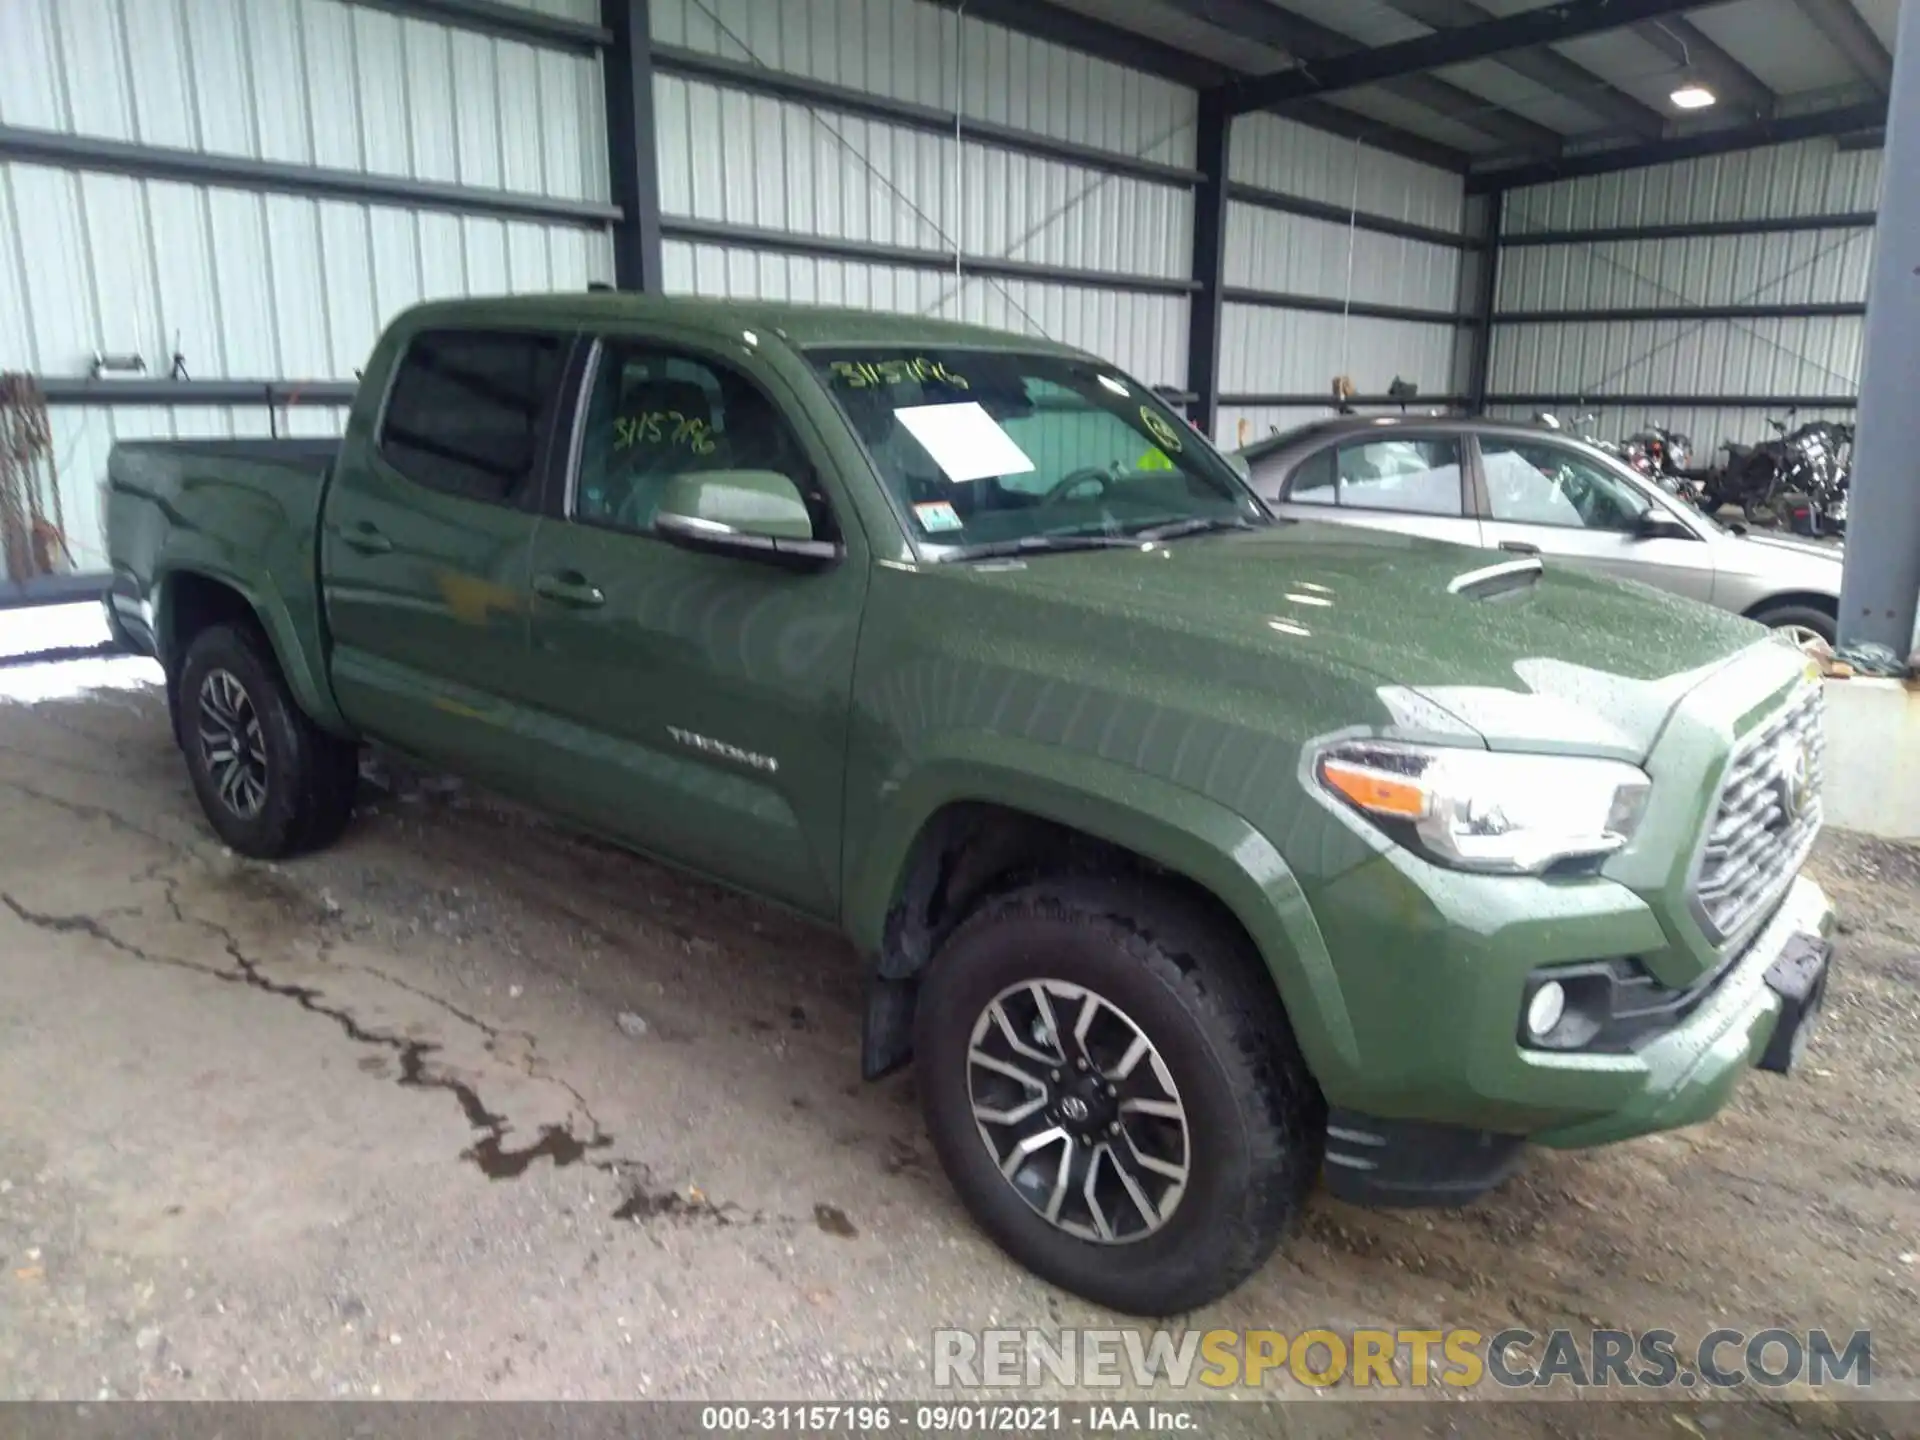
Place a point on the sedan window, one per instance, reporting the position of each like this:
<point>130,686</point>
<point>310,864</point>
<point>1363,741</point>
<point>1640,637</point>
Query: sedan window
<point>1419,477</point>
<point>1532,484</point>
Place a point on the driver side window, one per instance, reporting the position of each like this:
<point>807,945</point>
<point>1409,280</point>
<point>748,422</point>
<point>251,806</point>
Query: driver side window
<point>1534,484</point>
<point>656,415</point>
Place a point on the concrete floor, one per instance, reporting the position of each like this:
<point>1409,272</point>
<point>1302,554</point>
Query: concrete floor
<point>373,1124</point>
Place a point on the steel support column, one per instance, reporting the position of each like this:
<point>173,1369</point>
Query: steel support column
<point>1882,580</point>
<point>1209,269</point>
<point>1480,366</point>
<point>632,159</point>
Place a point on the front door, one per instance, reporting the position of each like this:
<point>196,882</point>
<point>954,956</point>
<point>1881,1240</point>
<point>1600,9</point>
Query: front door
<point>697,702</point>
<point>1547,497</point>
<point>426,540</point>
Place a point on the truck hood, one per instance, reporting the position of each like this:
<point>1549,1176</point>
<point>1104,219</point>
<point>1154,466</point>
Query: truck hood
<point>1566,662</point>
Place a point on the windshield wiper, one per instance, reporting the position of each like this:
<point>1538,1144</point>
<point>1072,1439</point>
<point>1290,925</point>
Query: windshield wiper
<point>1195,525</point>
<point>1040,545</point>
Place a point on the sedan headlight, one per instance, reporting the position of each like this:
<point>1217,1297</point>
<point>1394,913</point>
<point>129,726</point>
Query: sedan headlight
<point>1484,810</point>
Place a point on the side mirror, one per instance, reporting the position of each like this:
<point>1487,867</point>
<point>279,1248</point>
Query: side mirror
<point>755,514</point>
<point>1658,525</point>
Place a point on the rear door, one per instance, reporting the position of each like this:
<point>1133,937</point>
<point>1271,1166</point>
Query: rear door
<point>1546,498</point>
<point>426,539</point>
<point>1412,484</point>
<point>696,703</point>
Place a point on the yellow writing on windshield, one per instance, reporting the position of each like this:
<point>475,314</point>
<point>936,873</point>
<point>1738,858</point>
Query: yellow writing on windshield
<point>663,427</point>
<point>879,374</point>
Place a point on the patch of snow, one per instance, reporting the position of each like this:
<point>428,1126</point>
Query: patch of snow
<point>70,679</point>
<point>33,628</point>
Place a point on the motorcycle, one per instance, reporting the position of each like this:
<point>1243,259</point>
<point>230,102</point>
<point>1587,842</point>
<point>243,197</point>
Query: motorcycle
<point>1796,478</point>
<point>1662,455</point>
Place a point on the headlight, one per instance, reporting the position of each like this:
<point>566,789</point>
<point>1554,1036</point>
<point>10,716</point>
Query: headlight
<point>1483,810</point>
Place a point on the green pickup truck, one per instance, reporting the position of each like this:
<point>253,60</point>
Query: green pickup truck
<point>1190,853</point>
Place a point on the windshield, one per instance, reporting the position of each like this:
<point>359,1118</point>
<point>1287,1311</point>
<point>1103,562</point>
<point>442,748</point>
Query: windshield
<point>988,450</point>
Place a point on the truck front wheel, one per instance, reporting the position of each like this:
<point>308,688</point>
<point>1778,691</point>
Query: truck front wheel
<point>1113,1088</point>
<point>271,781</point>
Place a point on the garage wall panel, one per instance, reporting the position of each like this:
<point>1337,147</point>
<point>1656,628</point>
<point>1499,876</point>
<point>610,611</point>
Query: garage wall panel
<point>1266,351</point>
<point>1807,267</point>
<point>1295,159</point>
<point>248,286</point>
<point>754,161</point>
<point>315,82</point>
<point>1270,250</point>
<point>1811,178</point>
<point>905,49</point>
<point>1144,335</point>
<point>1681,358</point>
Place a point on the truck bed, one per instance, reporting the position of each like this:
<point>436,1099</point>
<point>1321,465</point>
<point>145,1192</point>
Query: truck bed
<point>254,501</point>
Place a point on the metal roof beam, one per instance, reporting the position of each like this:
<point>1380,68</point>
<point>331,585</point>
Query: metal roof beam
<point>1847,120</point>
<point>1545,67</point>
<point>1569,20</point>
<point>1848,32</point>
<point>1061,26</point>
<point>1306,40</point>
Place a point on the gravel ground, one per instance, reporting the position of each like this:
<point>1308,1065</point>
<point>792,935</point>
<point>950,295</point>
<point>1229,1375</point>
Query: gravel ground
<point>471,1108</point>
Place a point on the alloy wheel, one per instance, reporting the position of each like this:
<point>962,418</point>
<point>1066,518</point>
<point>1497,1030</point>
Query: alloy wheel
<point>232,744</point>
<point>1803,636</point>
<point>1079,1111</point>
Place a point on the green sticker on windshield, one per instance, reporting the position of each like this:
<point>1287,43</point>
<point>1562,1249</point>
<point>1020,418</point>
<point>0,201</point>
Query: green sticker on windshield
<point>1158,427</point>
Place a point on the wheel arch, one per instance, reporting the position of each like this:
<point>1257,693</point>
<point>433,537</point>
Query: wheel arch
<point>189,598</point>
<point>1811,599</point>
<point>963,828</point>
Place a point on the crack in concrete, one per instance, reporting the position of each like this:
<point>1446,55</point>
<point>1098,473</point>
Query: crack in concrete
<point>491,1153</point>
<point>82,810</point>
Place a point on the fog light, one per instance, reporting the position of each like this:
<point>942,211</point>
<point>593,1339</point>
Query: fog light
<point>1544,1010</point>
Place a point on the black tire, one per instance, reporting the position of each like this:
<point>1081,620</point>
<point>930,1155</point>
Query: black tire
<point>1806,617</point>
<point>307,776</point>
<point>1197,991</point>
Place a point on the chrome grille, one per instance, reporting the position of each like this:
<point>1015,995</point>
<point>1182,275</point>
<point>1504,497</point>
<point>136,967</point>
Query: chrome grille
<point>1768,814</point>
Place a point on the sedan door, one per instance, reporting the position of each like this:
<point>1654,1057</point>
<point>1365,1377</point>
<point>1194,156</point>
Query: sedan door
<point>1550,499</point>
<point>1410,484</point>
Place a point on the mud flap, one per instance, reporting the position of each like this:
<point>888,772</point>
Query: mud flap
<point>886,1034</point>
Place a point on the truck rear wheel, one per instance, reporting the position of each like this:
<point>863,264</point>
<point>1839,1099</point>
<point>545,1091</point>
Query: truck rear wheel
<point>271,781</point>
<point>1113,1088</point>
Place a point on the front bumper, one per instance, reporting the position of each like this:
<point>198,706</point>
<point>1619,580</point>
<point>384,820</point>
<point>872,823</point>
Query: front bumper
<point>1686,1075</point>
<point>1435,968</point>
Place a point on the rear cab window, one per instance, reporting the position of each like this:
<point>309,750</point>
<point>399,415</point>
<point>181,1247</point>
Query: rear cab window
<point>469,412</point>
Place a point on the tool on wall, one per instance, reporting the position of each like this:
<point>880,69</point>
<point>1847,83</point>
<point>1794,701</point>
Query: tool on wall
<point>33,537</point>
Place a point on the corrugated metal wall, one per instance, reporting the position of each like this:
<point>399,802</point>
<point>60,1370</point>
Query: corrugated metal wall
<point>257,286</point>
<point>1770,356</point>
<point>1267,350</point>
<point>750,160</point>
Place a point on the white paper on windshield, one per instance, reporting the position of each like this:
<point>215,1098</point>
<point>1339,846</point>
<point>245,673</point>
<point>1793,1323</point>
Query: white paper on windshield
<point>964,441</point>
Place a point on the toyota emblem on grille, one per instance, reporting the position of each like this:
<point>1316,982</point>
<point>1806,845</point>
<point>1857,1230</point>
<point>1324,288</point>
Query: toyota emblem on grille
<point>1795,779</point>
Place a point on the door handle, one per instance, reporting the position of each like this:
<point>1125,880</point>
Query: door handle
<point>1520,547</point>
<point>366,538</point>
<point>571,589</point>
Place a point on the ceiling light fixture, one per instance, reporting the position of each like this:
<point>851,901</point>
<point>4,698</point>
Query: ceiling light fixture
<point>1690,92</point>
